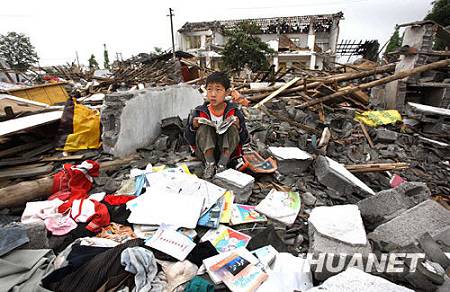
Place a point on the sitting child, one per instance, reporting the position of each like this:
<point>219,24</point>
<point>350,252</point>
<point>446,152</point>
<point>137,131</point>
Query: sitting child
<point>216,150</point>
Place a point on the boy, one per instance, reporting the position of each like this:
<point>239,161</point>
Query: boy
<point>216,150</point>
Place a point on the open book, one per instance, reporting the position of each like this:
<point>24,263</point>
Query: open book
<point>222,127</point>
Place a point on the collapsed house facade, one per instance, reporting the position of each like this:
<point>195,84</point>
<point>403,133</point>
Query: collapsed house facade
<point>302,41</point>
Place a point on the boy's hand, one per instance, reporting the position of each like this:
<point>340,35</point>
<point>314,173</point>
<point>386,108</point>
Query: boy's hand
<point>236,123</point>
<point>195,123</point>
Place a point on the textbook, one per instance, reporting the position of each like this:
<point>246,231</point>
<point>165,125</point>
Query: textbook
<point>222,127</point>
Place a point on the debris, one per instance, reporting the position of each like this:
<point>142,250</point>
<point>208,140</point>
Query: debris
<point>291,159</point>
<point>378,118</point>
<point>354,279</point>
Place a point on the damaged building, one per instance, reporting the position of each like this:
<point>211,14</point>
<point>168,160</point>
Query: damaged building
<point>303,41</point>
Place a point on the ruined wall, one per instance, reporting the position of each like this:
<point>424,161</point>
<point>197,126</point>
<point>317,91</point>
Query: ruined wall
<point>132,120</point>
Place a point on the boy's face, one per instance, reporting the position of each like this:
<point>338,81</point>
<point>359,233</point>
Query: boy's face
<point>216,93</point>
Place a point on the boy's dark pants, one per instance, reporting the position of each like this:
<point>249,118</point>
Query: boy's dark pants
<point>206,138</point>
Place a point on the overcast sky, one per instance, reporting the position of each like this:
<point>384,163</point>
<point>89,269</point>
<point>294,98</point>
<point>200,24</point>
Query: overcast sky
<point>59,28</point>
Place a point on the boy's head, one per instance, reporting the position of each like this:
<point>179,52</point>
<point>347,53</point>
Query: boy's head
<point>217,86</point>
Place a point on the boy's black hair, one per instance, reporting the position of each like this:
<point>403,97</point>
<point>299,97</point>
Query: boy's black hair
<point>219,77</point>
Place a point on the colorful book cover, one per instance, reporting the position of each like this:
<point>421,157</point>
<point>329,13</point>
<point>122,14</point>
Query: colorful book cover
<point>280,206</point>
<point>212,217</point>
<point>226,210</point>
<point>225,239</point>
<point>245,214</point>
<point>238,273</point>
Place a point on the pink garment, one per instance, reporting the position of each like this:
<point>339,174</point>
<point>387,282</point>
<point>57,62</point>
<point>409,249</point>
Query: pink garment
<point>60,225</point>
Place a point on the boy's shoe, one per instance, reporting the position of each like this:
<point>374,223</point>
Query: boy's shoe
<point>210,170</point>
<point>221,167</point>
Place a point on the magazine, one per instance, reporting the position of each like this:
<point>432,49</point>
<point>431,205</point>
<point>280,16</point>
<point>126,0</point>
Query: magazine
<point>225,239</point>
<point>245,214</point>
<point>222,127</point>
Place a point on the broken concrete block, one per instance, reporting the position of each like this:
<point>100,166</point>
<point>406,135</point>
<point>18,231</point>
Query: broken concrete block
<point>385,136</point>
<point>335,176</point>
<point>336,233</point>
<point>131,120</point>
<point>240,183</point>
<point>291,160</point>
<point>388,204</point>
<point>356,280</point>
<point>37,234</point>
<point>405,229</point>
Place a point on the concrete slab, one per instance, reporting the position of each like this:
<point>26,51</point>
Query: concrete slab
<point>335,176</point>
<point>132,119</point>
<point>356,280</point>
<point>388,204</point>
<point>405,229</point>
<point>341,223</point>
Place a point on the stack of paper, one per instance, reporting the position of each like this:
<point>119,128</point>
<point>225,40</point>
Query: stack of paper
<point>280,206</point>
<point>240,183</point>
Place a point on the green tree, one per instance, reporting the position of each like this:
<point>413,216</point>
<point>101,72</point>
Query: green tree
<point>18,52</point>
<point>394,42</point>
<point>440,13</point>
<point>105,58</point>
<point>93,64</point>
<point>244,47</point>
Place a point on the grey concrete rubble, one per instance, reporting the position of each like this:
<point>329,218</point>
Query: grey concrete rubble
<point>335,176</point>
<point>336,231</point>
<point>291,160</point>
<point>405,229</point>
<point>388,204</point>
<point>356,280</point>
<point>385,136</point>
<point>132,119</point>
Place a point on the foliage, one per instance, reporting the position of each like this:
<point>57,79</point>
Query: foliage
<point>440,13</point>
<point>394,42</point>
<point>93,64</point>
<point>17,50</point>
<point>105,58</point>
<point>244,47</point>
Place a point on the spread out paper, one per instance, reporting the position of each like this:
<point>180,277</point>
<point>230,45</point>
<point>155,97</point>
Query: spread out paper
<point>228,199</point>
<point>280,206</point>
<point>171,242</point>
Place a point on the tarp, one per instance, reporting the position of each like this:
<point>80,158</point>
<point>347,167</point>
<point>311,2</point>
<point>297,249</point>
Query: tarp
<point>79,128</point>
<point>378,118</point>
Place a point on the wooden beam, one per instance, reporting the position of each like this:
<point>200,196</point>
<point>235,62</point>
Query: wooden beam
<point>366,134</point>
<point>376,167</point>
<point>396,76</point>
<point>276,92</point>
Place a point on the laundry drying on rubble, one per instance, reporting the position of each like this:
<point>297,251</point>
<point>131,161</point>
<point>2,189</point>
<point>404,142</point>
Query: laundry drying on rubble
<point>340,181</point>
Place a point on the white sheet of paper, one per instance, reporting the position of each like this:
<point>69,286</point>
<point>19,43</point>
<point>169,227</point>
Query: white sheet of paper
<point>172,243</point>
<point>289,153</point>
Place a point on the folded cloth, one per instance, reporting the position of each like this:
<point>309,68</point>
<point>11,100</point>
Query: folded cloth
<point>38,211</point>
<point>118,199</point>
<point>198,284</point>
<point>12,236</point>
<point>23,269</point>
<point>141,262</point>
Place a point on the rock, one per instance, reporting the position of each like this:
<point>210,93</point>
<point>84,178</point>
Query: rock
<point>309,199</point>
<point>334,175</point>
<point>385,136</point>
<point>405,229</point>
<point>37,233</point>
<point>161,143</point>
<point>291,160</point>
<point>356,280</point>
<point>388,204</point>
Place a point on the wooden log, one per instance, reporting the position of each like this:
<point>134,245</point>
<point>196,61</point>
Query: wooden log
<point>366,134</point>
<point>276,92</point>
<point>19,194</point>
<point>396,76</point>
<point>376,167</point>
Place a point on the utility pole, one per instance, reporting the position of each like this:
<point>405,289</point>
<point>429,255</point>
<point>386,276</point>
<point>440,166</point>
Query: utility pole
<point>77,58</point>
<point>171,30</point>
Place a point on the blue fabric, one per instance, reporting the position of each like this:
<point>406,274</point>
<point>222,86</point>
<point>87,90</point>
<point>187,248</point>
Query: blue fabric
<point>11,237</point>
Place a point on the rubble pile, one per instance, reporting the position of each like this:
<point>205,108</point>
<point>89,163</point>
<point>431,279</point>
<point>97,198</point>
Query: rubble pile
<point>352,181</point>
